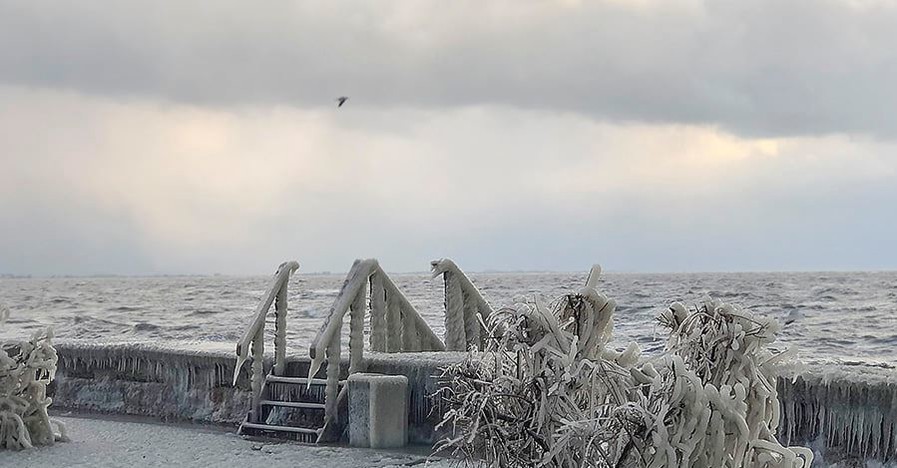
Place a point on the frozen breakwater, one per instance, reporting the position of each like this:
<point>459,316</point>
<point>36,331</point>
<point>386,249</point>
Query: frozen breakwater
<point>849,415</point>
<point>143,380</point>
<point>177,385</point>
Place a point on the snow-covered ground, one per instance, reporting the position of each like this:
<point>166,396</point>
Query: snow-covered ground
<point>128,443</point>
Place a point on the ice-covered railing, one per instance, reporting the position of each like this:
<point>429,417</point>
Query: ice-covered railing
<point>463,302</point>
<point>396,326</point>
<point>254,336</point>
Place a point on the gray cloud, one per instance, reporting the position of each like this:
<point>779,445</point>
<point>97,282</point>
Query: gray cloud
<point>96,186</point>
<point>760,68</point>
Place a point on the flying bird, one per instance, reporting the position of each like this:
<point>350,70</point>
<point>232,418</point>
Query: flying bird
<point>342,100</point>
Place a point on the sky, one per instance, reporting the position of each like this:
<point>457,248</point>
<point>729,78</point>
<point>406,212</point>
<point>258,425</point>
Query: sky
<point>196,137</point>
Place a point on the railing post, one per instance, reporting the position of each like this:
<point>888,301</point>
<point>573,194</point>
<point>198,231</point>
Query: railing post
<point>331,390</point>
<point>455,336</point>
<point>410,338</point>
<point>280,331</point>
<point>258,372</point>
<point>378,314</point>
<point>393,323</point>
<point>471,322</point>
<point>277,287</point>
<point>356,330</point>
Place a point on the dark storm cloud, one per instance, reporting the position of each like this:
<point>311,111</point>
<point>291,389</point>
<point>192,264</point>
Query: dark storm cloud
<point>760,68</point>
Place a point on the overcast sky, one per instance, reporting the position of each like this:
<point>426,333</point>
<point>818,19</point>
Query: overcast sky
<point>150,137</point>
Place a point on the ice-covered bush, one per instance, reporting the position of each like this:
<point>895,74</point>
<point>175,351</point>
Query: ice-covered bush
<point>547,391</point>
<point>26,368</point>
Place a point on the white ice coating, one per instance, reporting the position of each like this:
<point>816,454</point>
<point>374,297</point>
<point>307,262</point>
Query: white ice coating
<point>709,400</point>
<point>356,330</point>
<point>465,308</point>
<point>393,320</point>
<point>277,290</point>
<point>392,317</point>
<point>26,368</point>
<point>455,330</point>
<point>280,332</point>
<point>378,314</point>
<point>151,380</point>
<point>850,413</point>
<point>845,414</point>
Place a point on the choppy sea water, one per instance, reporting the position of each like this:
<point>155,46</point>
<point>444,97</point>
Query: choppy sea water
<point>847,319</point>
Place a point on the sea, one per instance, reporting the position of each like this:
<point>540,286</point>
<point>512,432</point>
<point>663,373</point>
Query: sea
<point>839,318</point>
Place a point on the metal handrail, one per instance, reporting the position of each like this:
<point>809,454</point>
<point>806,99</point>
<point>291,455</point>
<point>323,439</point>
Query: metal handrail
<point>396,326</point>
<point>463,302</point>
<point>393,320</point>
<point>254,337</point>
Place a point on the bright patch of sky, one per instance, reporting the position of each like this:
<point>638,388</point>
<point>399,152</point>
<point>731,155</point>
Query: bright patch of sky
<point>194,137</point>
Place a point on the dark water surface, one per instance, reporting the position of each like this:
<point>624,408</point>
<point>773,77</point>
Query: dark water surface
<point>847,319</point>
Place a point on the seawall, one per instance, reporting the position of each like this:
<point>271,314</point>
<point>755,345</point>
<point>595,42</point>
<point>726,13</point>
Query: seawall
<point>195,386</point>
<point>849,414</point>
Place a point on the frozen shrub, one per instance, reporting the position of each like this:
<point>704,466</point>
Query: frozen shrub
<point>547,391</point>
<point>26,368</point>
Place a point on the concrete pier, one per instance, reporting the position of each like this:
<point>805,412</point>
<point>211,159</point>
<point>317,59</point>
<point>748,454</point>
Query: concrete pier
<point>852,415</point>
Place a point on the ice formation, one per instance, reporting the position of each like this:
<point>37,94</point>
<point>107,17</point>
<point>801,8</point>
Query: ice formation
<point>717,356</point>
<point>396,326</point>
<point>26,368</point>
<point>465,308</point>
<point>850,413</point>
<point>549,393</point>
<point>151,380</point>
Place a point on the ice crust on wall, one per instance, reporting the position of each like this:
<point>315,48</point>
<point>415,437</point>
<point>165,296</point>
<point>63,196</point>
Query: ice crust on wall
<point>425,408</point>
<point>151,381</point>
<point>852,414</point>
<point>172,384</point>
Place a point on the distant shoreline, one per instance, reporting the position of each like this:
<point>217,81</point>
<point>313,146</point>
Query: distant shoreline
<point>474,272</point>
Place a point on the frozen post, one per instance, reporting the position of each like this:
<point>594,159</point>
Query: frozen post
<point>280,328</point>
<point>378,314</point>
<point>356,329</point>
<point>378,410</point>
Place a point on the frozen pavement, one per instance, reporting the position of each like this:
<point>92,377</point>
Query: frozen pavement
<point>118,443</point>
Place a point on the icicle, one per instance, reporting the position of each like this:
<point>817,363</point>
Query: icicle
<point>280,331</point>
<point>462,299</point>
<point>26,368</point>
<point>471,321</point>
<point>333,375</point>
<point>393,322</point>
<point>378,314</point>
<point>356,330</point>
<point>455,335</point>
<point>258,373</point>
<point>410,333</point>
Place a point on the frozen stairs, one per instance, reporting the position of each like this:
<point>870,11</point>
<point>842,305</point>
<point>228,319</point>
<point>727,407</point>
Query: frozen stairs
<point>291,406</point>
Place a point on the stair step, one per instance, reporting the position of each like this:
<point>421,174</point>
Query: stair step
<point>292,404</point>
<point>298,380</point>
<point>268,427</point>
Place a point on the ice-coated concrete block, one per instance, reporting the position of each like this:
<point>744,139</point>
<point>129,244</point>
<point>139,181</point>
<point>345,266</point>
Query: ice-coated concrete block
<point>378,410</point>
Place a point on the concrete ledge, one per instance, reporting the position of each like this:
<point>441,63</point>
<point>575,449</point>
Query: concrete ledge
<point>378,410</point>
<point>194,385</point>
<point>852,412</point>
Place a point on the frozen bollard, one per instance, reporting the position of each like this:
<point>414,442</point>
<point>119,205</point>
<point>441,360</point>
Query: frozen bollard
<point>378,410</point>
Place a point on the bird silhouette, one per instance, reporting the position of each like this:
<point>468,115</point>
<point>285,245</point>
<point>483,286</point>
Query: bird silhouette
<point>342,100</point>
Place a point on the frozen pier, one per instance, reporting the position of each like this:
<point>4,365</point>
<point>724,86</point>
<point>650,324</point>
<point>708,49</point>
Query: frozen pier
<point>847,416</point>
